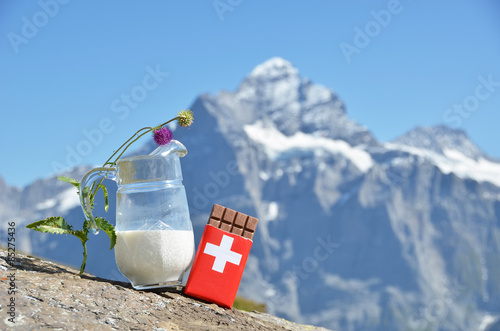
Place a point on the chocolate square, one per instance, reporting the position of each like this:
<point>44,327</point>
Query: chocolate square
<point>217,212</point>
<point>232,221</point>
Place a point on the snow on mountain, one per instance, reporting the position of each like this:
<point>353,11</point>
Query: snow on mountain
<point>275,144</point>
<point>441,138</point>
<point>453,161</point>
<point>275,82</point>
<point>275,68</point>
<point>450,150</point>
<point>353,234</point>
<point>63,202</point>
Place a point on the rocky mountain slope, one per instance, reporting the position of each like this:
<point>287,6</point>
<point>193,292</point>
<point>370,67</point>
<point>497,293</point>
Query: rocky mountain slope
<point>53,296</point>
<point>354,234</point>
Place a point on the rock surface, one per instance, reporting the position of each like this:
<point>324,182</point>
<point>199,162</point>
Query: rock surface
<point>53,296</point>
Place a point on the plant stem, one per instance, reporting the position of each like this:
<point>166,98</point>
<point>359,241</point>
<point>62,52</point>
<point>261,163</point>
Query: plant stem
<point>107,161</point>
<point>127,142</point>
<point>173,119</point>
<point>84,263</point>
<point>133,141</point>
<point>94,190</point>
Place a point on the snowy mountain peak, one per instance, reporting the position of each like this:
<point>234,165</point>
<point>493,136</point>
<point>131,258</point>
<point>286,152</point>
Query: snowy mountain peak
<point>275,92</point>
<point>274,68</point>
<point>440,139</point>
<point>275,82</point>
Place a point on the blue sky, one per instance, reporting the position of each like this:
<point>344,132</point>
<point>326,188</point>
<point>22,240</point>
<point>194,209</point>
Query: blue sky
<point>66,66</point>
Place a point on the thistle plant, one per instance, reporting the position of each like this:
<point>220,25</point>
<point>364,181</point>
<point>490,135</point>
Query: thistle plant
<point>58,225</point>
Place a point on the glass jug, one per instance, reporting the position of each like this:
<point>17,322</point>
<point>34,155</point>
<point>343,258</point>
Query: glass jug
<point>155,242</point>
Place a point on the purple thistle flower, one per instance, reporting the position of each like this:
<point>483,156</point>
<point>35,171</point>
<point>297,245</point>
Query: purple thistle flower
<point>163,136</point>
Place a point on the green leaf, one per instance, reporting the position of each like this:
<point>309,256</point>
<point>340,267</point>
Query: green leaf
<point>82,235</point>
<point>72,181</point>
<point>108,228</point>
<point>58,225</point>
<point>55,225</point>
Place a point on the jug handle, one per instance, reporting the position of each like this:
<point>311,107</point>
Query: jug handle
<point>87,183</point>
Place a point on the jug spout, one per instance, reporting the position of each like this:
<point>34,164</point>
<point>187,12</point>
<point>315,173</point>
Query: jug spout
<point>173,147</point>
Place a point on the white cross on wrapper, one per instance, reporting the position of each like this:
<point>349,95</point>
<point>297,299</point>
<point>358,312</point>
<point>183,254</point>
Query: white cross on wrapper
<point>222,253</point>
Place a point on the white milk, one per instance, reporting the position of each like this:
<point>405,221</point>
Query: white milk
<point>148,257</point>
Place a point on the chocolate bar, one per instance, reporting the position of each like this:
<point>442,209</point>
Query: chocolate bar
<point>221,257</point>
<point>232,221</point>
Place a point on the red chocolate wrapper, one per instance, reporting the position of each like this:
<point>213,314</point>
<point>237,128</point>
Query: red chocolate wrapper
<point>221,257</point>
<point>218,266</point>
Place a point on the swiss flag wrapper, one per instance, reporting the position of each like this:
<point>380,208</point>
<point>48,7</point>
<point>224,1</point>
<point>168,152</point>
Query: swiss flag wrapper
<point>218,266</point>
